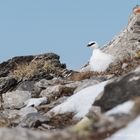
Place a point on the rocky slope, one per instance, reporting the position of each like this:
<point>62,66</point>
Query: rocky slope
<point>40,96</point>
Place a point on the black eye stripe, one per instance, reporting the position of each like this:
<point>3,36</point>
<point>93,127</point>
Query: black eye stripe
<point>91,44</point>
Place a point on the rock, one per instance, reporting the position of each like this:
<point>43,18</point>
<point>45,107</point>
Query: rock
<point>27,110</point>
<point>54,92</point>
<point>8,66</point>
<point>120,90</point>
<point>6,84</point>
<point>42,74</point>
<point>124,65</point>
<point>33,120</point>
<point>51,90</point>
<point>26,86</point>
<point>21,134</point>
<point>18,66</point>
<point>86,83</point>
<point>4,122</point>
<point>13,116</point>
<point>47,107</point>
<point>43,83</point>
<point>46,56</point>
<point>29,86</point>
<point>127,43</point>
<point>16,116</point>
<point>15,99</point>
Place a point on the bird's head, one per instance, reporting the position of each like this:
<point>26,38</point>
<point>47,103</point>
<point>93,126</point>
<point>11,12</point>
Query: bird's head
<point>93,45</point>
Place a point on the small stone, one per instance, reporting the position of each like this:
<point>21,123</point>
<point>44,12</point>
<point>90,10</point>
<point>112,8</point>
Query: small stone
<point>27,110</point>
<point>124,65</point>
<point>33,120</point>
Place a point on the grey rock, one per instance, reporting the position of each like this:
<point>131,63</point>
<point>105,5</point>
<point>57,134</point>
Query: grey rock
<point>27,110</point>
<point>29,86</point>
<point>51,90</point>
<point>86,83</point>
<point>54,92</point>
<point>26,86</point>
<point>33,120</point>
<point>120,90</point>
<point>21,134</point>
<point>43,83</point>
<point>15,99</point>
<point>72,84</point>
<point>12,115</point>
<point>127,43</point>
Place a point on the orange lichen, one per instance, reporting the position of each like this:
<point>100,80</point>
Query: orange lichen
<point>137,10</point>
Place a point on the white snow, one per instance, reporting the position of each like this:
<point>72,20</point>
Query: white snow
<point>137,70</point>
<point>122,108</point>
<point>130,132</point>
<point>81,102</point>
<point>35,101</point>
<point>100,61</point>
<point>135,78</point>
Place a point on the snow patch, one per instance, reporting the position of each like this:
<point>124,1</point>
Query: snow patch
<point>130,132</point>
<point>135,78</point>
<point>122,108</point>
<point>35,101</point>
<point>81,102</point>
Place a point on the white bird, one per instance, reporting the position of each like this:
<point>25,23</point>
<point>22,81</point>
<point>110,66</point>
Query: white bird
<point>99,60</point>
<point>35,101</point>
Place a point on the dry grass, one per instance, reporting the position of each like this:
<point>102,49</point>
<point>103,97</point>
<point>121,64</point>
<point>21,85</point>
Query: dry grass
<point>28,70</point>
<point>81,76</point>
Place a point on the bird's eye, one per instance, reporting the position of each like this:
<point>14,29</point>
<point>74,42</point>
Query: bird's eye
<point>90,44</point>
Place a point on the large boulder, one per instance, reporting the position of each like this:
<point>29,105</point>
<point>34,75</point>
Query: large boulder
<point>15,99</point>
<point>21,62</point>
<point>127,43</point>
<point>120,90</point>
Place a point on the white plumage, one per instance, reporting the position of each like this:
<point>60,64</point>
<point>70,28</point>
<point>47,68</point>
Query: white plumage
<point>99,60</point>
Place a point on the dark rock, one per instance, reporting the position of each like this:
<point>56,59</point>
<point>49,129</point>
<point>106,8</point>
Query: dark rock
<point>26,86</point>
<point>7,84</point>
<point>47,56</point>
<point>33,120</point>
<point>119,91</point>
<point>10,65</point>
<point>61,121</point>
<point>42,75</point>
<point>29,86</point>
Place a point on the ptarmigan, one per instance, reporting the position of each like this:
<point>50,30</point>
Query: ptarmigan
<point>99,60</point>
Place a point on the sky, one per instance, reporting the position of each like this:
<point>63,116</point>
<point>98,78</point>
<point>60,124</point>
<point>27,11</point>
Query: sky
<point>29,27</point>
